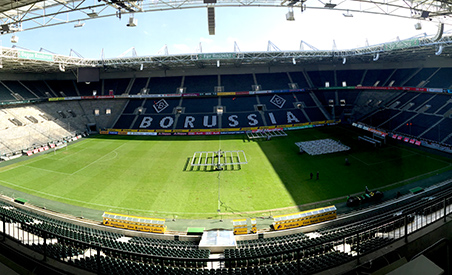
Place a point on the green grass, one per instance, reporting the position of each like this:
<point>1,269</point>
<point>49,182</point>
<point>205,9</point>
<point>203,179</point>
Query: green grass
<point>151,176</point>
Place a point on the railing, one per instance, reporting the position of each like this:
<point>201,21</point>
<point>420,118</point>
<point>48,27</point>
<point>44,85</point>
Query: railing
<point>320,253</point>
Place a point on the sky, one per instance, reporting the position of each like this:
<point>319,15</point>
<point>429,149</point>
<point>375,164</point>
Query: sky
<point>250,27</point>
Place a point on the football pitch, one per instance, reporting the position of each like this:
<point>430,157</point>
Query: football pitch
<point>152,176</point>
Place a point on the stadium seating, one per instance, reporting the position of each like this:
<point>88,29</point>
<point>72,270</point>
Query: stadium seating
<point>125,121</point>
<point>200,105</point>
<point>400,76</point>
<point>18,87</point>
<point>389,110</point>
<point>62,88</point>
<point>164,85</point>
<point>274,81</point>
<point>425,77</point>
<point>234,83</point>
<point>299,79</point>
<point>319,79</point>
<point>138,85</point>
<point>116,86</point>
<point>440,79</point>
<point>350,77</point>
<point>200,84</point>
<point>132,105</point>
<point>398,111</point>
<point>306,99</point>
<point>376,77</point>
<point>87,89</point>
<point>5,94</point>
<point>239,103</point>
<point>420,78</point>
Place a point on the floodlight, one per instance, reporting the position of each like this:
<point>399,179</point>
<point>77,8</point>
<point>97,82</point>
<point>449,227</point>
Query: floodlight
<point>133,22</point>
<point>348,14</point>
<point>330,5</point>
<point>289,15</point>
<point>425,14</point>
<point>14,39</point>
<point>440,50</point>
<point>92,14</point>
<point>376,57</point>
<point>211,20</point>
<point>79,24</point>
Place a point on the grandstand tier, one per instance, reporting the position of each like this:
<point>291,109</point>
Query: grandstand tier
<point>409,104</point>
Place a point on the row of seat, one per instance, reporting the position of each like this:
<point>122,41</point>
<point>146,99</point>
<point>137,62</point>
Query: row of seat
<point>57,251</point>
<point>109,265</point>
<point>371,245</point>
<point>166,243</point>
<point>270,241</point>
<point>36,224</point>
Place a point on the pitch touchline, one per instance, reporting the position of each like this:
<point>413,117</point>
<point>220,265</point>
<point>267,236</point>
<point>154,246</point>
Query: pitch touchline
<point>24,164</point>
<point>46,155</point>
<point>359,160</point>
<point>102,205</point>
<point>191,213</point>
<point>384,161</point>
<point>47,170</point>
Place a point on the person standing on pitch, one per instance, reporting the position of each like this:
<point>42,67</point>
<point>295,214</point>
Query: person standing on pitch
<point>311,175</point>
<point>317,174</point>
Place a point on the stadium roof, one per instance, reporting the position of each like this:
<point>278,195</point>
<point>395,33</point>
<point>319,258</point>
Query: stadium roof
<point>24,15</point>
<point>15,60</point>
<point>16,16</point>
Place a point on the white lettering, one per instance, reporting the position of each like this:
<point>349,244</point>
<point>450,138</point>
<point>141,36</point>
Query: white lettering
<point>189,122</point>
<point>252,120</point>
<point>272,118</point>
<point>291,118</point>
<point>146,122</point>
<point>233,120</point>
<point>206,121</point>
<point>166,122</point>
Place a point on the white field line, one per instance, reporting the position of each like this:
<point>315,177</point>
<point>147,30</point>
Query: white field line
<point>48,170</point>
<point>73,153</point>
<point>105,206</point>
<point>89,164</point>
<point>24,164</point>
<point>375,163</point>
<point>27,163</point>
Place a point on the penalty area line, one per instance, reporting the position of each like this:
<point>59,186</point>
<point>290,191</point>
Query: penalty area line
<point>97,160</point>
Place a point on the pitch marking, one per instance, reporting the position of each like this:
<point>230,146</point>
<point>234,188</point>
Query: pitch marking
<point>97,160</point>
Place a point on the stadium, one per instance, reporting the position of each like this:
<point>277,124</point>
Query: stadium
<point>275,162</point>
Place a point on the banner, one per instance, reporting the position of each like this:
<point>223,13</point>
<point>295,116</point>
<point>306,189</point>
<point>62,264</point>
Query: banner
<point>35,55</point>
